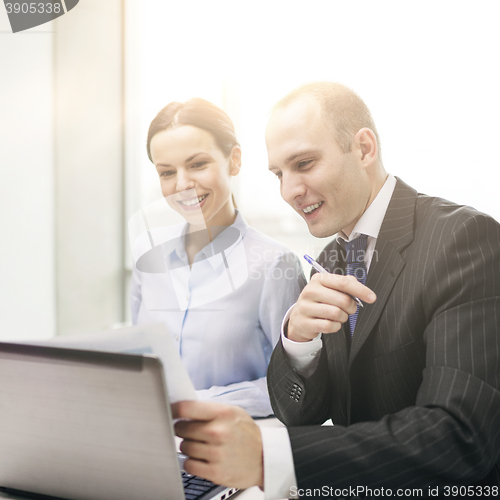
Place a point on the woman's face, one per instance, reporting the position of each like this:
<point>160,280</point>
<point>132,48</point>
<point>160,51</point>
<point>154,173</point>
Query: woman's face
<point>195,175</point>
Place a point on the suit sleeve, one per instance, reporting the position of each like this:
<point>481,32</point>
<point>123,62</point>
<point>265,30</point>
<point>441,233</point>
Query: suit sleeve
<point>298,400</point>
<point>451,435</point>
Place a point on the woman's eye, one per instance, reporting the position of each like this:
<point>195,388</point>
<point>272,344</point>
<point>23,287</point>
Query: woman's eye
<point>167,173</point>
<point>199,164</point>
<point>278,174</point>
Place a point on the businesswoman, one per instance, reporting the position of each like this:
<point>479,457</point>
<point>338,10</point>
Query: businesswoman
<point>223,288</point>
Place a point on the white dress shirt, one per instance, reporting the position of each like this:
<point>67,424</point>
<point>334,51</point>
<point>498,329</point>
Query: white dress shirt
<point>304,356</point>
<point>224,311</point>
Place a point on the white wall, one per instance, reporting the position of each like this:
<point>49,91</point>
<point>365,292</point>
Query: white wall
<point>61,174</point>
<point>89,166</point>
<point>27,280</point>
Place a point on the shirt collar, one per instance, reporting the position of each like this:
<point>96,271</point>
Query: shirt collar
<point>372,218</point>
<point>208,251</point>
<point>179,249</point>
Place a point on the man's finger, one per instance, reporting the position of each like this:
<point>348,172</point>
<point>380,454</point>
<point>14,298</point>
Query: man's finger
<point>198,450</point>
<point>191,429</point>
<point>326,303</point>
<point>346,284</point>
<point>319,310</point>
<point>195,410</point>
<point>334,313</point>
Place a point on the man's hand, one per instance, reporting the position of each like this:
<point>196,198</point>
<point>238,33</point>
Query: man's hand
<point>223,442</point>
<point>324,304</point>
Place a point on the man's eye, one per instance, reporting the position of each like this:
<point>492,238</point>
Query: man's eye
<point>303,163</point>
<point>278,174</point>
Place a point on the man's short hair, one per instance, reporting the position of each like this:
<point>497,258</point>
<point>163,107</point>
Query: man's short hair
<point>344,110</point>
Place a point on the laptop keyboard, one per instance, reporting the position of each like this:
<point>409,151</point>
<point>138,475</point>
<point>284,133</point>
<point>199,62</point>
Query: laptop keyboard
<point>194,486</point>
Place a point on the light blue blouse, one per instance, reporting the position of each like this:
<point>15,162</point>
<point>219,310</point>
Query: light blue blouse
<point>224,312</point>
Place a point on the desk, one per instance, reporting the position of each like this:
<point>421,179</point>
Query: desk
<point>253,493</point>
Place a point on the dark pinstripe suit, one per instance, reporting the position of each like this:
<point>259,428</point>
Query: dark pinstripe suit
<point>416,399</point>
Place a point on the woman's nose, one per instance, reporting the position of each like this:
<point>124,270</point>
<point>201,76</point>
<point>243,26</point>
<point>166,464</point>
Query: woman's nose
<point>184,181</point>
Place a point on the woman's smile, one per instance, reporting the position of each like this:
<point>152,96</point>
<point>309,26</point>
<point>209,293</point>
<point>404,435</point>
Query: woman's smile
<point>195,203</point>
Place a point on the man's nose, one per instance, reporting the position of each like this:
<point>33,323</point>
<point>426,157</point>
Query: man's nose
<point>184,181</point>
<point>292,187</point>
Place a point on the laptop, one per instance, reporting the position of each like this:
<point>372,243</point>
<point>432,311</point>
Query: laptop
<point>90,425</point>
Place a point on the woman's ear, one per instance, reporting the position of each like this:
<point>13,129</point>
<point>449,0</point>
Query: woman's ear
<point>366,142</point>
<point>235,160</point>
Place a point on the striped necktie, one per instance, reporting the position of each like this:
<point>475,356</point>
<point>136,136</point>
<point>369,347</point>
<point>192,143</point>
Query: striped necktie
<point>355,259</point>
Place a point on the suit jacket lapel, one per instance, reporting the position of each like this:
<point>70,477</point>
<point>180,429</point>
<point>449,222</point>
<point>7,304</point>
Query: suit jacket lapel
<point>387,263</point>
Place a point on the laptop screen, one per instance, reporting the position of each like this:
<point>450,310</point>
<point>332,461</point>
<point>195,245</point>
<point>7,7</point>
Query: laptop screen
<point>85,424</point>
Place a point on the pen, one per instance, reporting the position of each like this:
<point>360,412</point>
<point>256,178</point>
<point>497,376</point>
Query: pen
<point>321,269</point>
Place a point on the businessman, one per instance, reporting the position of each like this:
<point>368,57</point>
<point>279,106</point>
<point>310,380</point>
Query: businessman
<point>412,379</point>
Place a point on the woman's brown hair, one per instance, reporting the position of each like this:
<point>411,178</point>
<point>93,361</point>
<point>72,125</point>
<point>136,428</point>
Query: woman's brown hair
<point>197,113</point>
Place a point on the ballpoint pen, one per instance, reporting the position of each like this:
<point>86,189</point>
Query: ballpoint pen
<point>321,269</point>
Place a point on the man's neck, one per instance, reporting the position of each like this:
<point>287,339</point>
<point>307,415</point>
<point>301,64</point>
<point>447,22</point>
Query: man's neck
<point>377,185</point>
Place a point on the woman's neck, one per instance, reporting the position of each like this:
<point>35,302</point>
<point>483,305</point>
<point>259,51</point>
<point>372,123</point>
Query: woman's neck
<point>199,236</point>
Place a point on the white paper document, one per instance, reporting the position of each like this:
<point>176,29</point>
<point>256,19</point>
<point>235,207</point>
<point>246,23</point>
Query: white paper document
<point>152,339</point>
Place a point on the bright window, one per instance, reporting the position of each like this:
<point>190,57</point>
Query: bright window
<point>427,70</point>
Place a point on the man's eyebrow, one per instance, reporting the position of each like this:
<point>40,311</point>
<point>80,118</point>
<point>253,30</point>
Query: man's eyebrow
<point>296,155</point>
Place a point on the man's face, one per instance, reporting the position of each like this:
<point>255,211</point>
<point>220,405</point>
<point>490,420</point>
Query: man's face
<point>328,188</point>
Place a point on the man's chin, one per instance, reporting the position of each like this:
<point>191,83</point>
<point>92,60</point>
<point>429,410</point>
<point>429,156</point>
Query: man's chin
<point>320,231</point>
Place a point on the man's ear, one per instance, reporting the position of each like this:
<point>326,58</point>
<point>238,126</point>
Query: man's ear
<point>366,142</point>
<point>235,160</point>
